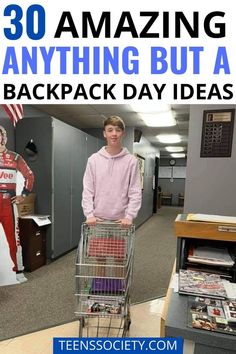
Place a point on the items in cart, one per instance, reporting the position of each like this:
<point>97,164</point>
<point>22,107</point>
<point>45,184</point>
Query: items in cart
<point>107,286</point>
<point>107,247</point>
<point>114,309</point>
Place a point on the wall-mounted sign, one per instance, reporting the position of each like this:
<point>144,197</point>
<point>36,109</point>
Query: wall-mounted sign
<point>217,133</point>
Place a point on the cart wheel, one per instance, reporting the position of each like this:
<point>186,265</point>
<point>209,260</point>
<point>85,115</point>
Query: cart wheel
<point>81,326</point>
<point>82,322</point>
<point>126,326</point>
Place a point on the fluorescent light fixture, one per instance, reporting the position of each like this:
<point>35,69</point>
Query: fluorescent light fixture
<point>174,148</point>
<point>178,156</point>
<point>164,119</point>
<point>149,107</point>
<point>169,138</point>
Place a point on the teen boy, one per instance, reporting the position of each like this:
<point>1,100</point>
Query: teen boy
<point>111,184</point>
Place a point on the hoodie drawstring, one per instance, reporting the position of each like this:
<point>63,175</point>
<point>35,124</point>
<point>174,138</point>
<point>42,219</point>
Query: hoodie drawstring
<point>111,165</point>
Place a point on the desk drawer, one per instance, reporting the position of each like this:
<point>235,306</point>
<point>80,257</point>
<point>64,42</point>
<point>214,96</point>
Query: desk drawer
<point>36,259</point>
<point>33,242</point>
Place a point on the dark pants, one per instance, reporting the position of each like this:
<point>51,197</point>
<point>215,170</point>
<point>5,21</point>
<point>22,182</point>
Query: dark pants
<point>7,221</point>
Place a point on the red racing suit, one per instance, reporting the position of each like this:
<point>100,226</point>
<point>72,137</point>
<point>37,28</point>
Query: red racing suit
<point>10,164</point>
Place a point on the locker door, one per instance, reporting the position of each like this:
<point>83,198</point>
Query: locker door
<point>61,238</point>
<point>78,163</point>
<point>40,130</point>
<point>92,145</point>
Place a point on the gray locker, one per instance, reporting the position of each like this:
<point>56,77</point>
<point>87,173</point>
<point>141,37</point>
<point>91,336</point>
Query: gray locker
<point>62,156</point>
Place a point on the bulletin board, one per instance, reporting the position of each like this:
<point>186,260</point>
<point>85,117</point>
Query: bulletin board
<point>217,133</point>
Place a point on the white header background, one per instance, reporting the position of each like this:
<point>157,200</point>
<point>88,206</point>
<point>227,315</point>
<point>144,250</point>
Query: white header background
<point>54,11</point>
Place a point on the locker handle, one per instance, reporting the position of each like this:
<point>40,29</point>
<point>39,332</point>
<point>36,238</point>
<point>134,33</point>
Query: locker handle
<point>38,253</point>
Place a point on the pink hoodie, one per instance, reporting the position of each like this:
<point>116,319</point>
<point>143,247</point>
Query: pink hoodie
<point>112,188</point>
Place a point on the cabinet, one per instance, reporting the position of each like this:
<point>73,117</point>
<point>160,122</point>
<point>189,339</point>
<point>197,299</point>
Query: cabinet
<point>33,242</point>
<point>198,233</point>
<point>192,234</point>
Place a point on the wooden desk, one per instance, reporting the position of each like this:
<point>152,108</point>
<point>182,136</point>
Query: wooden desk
<point>204,342</point>
<point>196,233</point>
<point>166,304</point>
<point>204,230</point>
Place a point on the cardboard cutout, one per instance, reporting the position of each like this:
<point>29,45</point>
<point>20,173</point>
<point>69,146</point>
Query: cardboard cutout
<point>11,164</point>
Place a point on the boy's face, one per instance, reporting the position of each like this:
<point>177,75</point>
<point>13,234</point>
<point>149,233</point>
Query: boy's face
<point>113,135</point>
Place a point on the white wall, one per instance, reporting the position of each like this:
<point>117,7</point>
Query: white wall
<point>149,152</point>
<point>210,182</point>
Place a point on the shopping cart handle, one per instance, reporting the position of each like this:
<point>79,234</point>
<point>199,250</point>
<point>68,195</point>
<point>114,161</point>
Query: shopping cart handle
<point>108,223</point>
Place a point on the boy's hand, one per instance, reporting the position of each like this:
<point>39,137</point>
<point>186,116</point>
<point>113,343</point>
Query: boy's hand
<point>92,221</point>
<point>125,222</point>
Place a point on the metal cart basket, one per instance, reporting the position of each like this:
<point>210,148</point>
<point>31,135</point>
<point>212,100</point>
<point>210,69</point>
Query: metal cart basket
<point>104,264</point>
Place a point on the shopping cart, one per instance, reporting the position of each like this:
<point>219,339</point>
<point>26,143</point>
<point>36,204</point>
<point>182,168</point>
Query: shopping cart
<point>104,264</point>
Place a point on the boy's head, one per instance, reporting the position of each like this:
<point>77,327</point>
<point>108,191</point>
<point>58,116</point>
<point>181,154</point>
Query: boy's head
<point>115,121</point>
<point>114,130</point>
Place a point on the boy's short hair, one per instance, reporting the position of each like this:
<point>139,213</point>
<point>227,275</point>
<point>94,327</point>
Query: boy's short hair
<point>114,120</point>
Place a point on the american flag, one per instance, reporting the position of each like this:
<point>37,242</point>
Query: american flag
<point>14,112</point>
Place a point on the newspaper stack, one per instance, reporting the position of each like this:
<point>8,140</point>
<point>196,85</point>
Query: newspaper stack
<point>210,256</point>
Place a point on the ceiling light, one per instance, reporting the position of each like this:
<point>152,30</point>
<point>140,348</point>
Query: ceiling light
<point>169,138</point>
<point>164,119</point>
<point>178,156</point>
<point>150,107</point>
<point>174,148</point>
